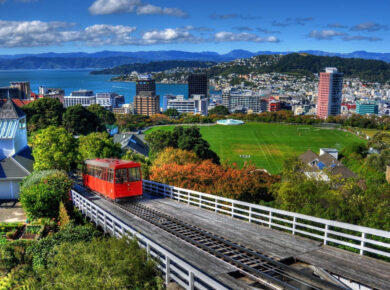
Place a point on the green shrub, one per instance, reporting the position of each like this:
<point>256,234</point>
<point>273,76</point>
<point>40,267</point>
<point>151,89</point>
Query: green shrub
<point>101,264</point>
<point>42,192</point>
<point>44,248</point>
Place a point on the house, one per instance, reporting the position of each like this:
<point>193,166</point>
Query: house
<point>134,142</point>
<point>319,166</point>
<point>16,161</point>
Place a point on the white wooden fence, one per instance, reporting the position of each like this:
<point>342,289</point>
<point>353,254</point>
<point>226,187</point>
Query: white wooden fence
<point>174,268</point>
<point>356,238</point>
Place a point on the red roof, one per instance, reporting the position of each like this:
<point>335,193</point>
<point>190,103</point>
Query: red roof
<point>112,163</point>
<point>20,103</point>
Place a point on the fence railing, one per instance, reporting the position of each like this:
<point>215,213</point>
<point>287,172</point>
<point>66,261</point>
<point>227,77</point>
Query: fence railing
<point>174,268</point>
<point>351,237</point>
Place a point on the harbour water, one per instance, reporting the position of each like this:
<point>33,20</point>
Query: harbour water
<point>72,80</point>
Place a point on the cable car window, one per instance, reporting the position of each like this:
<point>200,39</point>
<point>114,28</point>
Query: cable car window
<point>104,174</point>
<point>110,175</point>
<point>121,176</point>
<point>134,174</point>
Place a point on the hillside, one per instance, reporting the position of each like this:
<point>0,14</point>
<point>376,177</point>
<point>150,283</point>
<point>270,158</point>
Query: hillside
<point>153,67</point>
<point>369,70</point>
<point>109,59</point>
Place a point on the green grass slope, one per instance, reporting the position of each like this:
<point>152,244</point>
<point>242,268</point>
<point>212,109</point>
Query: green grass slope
<point>268,145</point>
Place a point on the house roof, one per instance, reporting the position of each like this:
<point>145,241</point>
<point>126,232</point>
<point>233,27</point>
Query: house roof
<point>132,142</point>
<point>343,170</point>
<point>18,166</point>
<point>327,159</point>
<point>308,157</point>
<point>10,111</point>
<point>20,103</point>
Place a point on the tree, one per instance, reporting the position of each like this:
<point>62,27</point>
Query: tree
<point>380,141</point>
<point>188,139</point>
<point>105,116</point>
<point>80,121</point>
<point>101,264</point>
<point>246,184</point>
<point>98,145</point>
<point>42,192</point>
<point>45,249</point>
<point>43,113</point>
<point>54,148</point>
<point>219,110</point>
<point>172,112</point>
<point>158,140</point>
<point>177,156</point>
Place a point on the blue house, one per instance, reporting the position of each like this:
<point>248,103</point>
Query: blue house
<point>16,161</point>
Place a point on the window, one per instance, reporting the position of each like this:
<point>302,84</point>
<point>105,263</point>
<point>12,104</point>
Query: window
<point>110,175</point>
<point>134,174</point>
<point>121,176</point>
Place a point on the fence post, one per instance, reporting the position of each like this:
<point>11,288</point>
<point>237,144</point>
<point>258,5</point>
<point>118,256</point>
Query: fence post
<point>250,214</point>
<point>200,201</point>
<point>105,223</point>
<point>294,221</point>
<point>270,219</point>
<point>363,244</point>
<point>232,209</point>
<point>326,234</point>
<point>191,281</point>
<point>167,270</point>
<point>188,197</point>
<point>216,205</point>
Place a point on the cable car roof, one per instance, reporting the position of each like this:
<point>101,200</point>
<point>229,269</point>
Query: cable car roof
<point>112,163</point>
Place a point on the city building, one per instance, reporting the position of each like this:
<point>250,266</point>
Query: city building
<point>198,85</point>
<point>109,101</point>
<point>125,109</point>
<point>273,105</point>
<point>145,83</point>
<point>147,104</point>
<point>197,104</point>
<point>23,88</point>
<point>166,99</point>
<point>329,93</point>
<point>82,97</point>
<point>9,93</point>
<point>53,93</point>
<point>16,161</point>
<point>243,100</point>
<point>366,107</point>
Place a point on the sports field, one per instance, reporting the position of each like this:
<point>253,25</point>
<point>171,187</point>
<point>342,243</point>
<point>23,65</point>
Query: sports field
<point>268,145</point>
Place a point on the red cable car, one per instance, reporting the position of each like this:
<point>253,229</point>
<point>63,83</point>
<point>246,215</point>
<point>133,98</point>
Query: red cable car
<point>113,178</point>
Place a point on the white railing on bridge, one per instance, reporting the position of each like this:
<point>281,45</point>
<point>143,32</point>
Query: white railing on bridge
<point>174,268</point>
<point>356,238</point>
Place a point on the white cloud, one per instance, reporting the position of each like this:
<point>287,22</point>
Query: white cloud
<point>38,33</point>
<point>369,26</point>
<point>152,9</point>
<point>225,36</point>
<point>325,34</point>
<point>128,6</point>
<point>168,35</point>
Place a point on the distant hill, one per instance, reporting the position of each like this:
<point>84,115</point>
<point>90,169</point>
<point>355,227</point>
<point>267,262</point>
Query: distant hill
<point>303,63</point>
<point>110,59</point>
<point>156,66</point>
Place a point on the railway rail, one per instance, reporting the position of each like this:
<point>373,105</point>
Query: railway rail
<point>261,268</point>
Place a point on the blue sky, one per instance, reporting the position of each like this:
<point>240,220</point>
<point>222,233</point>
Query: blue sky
<point>34,26</point>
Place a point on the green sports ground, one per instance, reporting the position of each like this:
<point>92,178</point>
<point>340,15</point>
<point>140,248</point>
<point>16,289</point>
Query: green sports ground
<point>268,145</point>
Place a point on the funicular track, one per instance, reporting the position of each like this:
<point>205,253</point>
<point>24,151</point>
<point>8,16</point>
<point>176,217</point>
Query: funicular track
<point>263,269</point>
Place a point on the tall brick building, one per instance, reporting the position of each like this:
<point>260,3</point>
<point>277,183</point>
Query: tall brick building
<point>329,93</point>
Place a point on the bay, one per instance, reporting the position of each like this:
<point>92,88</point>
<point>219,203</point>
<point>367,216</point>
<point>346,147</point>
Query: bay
<point>72,80</point>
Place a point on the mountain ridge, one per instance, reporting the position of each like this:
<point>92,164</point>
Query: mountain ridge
<point>109,59</point>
